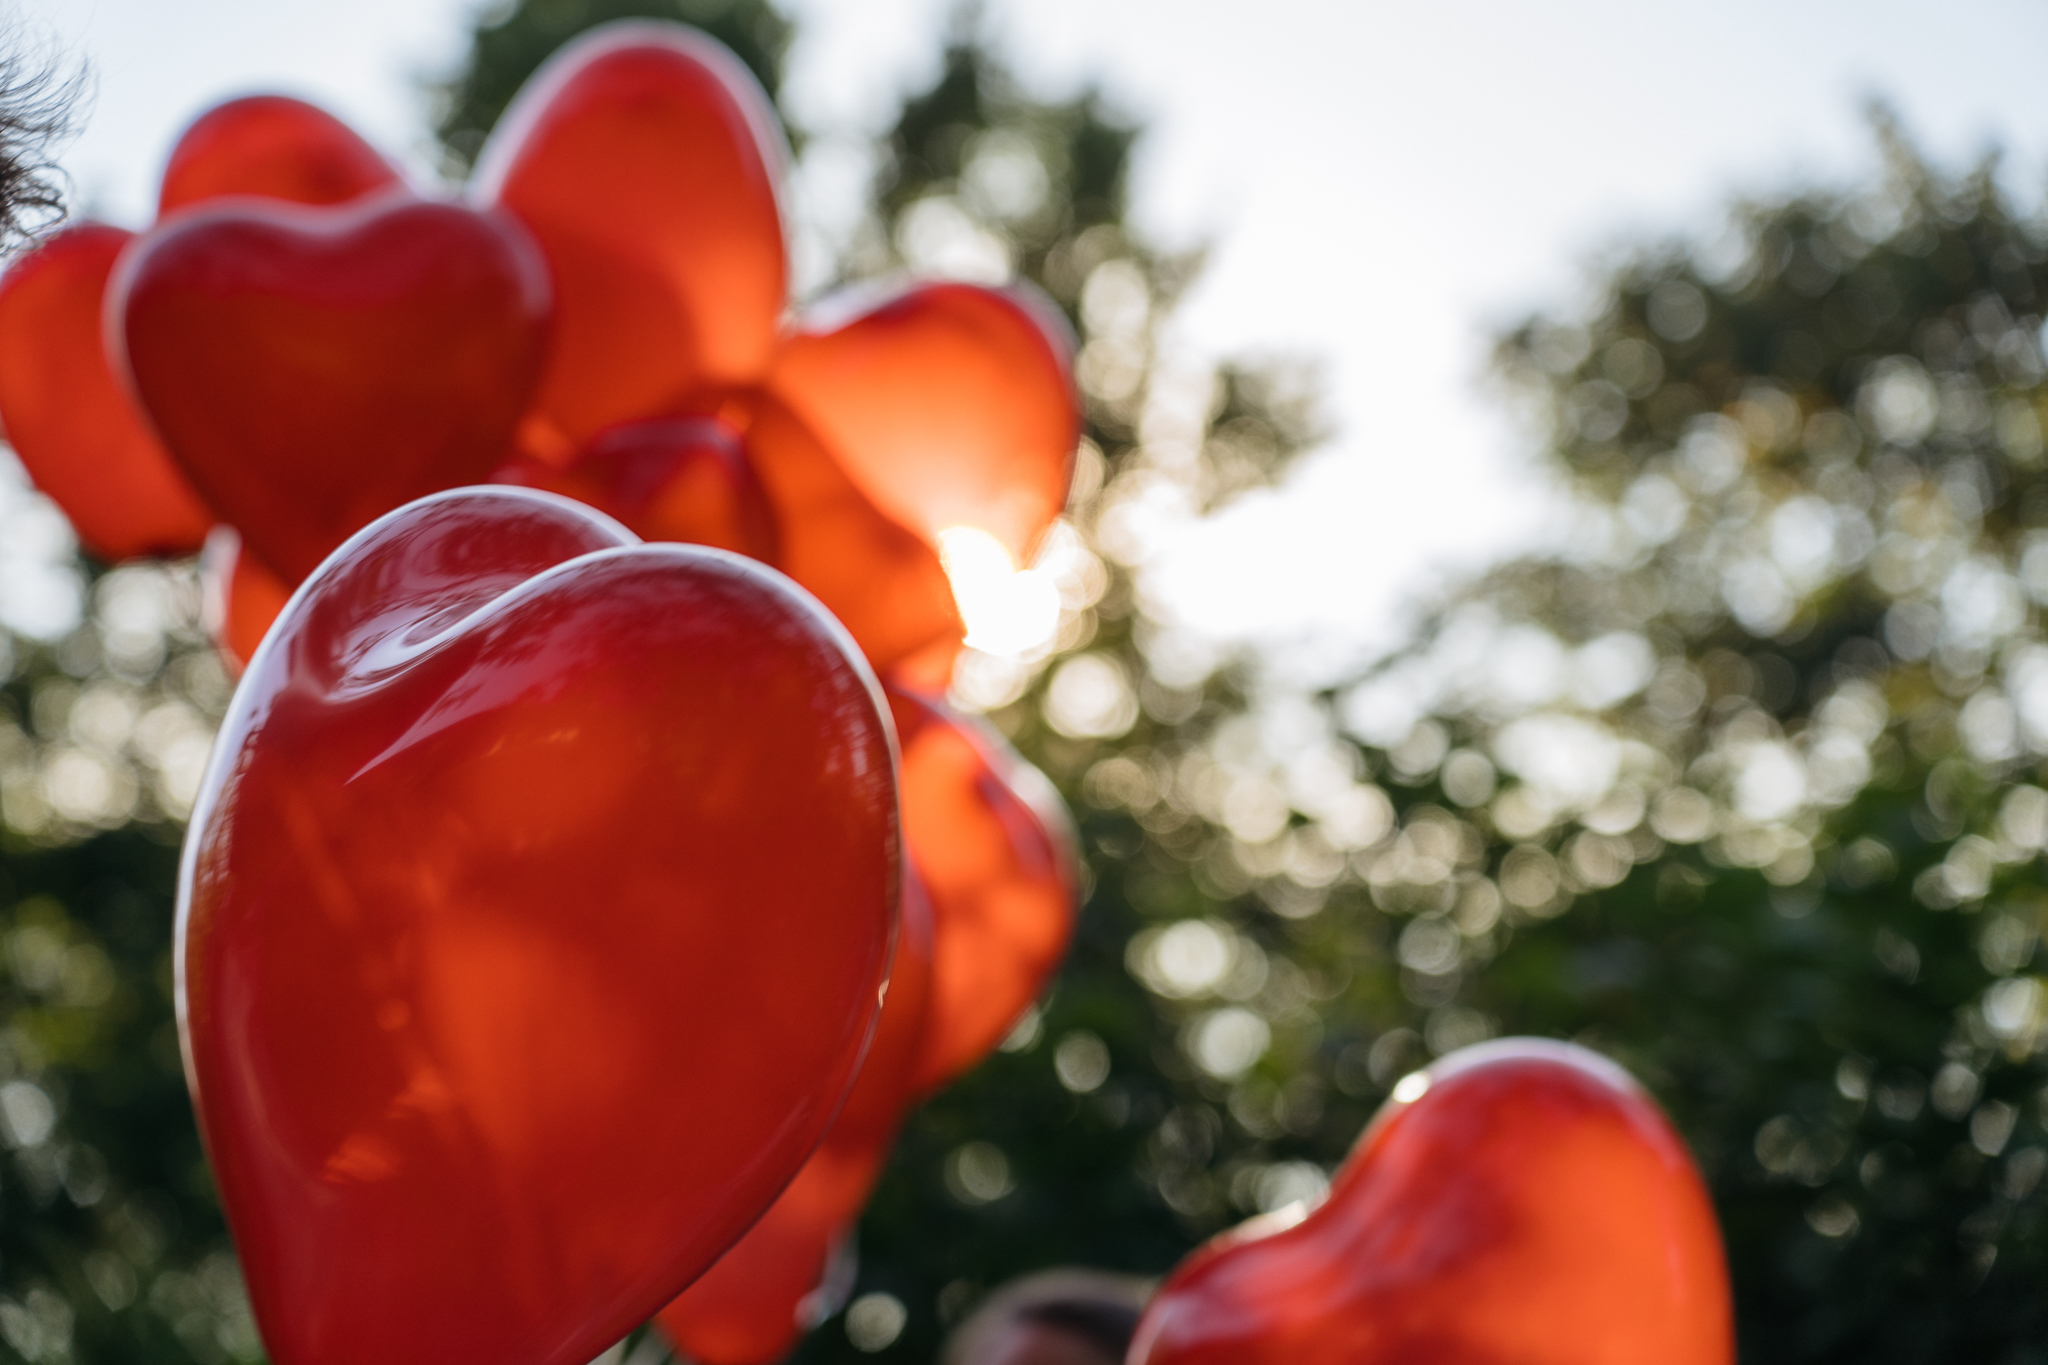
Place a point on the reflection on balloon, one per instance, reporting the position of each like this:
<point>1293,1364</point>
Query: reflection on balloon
<point>312,368</point>
<point>989,838</point>
<point>501,825</point>
<point>1520,1200</point>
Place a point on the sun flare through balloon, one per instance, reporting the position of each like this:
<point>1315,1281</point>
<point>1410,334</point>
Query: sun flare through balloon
<point>1008,611</point>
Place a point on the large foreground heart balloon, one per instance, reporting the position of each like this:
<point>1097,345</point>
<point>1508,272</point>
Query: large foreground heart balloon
<point>533,918</point>
<point>1520,1201</point>
<point>313,368</point>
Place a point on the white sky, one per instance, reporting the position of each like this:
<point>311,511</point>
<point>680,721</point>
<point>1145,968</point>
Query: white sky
<point>1383,184</point>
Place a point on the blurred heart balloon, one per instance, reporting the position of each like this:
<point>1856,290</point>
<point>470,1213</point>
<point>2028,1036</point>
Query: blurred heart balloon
<point>313,368</point>
<point>644,157</point>
<point>993,846</point>
<point>69,419</point>
<point>510,816</point>
<point>1519,1201</point>
<point>275,147</point>
<point>777,1283</point>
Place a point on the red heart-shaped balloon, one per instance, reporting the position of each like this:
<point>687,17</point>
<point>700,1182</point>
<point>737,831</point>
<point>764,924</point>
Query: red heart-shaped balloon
<point>313,368</point>
<point>1519,1201</point>
<point>994,848</point>
<point>73,424</point>
<point>534,915</point>
<point>275,147</point>
<point>948,404</point>
<point>751,1307</point>
<point>77,433</point>
<point>644,157</point>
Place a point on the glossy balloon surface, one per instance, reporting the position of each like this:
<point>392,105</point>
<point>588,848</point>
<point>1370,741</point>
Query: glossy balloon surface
<point>685,479</point>
<point>948,404</point>
<point>68,417</point>
<point>990,841</point>
<point>509,817</point>
<point>273,146</point>
<point>1531,1205</point>
<point>751,1307</point>
<point>311,369</point>
<point>644,157</point>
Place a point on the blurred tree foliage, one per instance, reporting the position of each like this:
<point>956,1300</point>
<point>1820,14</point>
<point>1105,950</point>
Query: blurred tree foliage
<point>1743,788</point>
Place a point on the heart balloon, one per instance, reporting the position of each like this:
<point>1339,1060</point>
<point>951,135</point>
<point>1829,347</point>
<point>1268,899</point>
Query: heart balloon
<point>1519,1201</point>
<point>314,368</point>
<point>685,479</point>
<point>273,146</point>
<point>949,405</point>
<point>994,848</point>
<point>773,1286</point>
<point>510,816</point>
<point>884,581</point>
<point>644,158</point>
<point>68,418</point>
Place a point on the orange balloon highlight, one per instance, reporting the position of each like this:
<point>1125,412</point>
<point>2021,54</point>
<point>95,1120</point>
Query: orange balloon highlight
<point>948,404</point>
<point>1519,1201</point>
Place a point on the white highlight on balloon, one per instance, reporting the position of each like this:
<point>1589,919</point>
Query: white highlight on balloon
<point>1008,611</point>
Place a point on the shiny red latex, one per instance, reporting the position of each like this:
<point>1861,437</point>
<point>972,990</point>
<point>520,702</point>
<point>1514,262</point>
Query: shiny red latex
<point>509,815</point>
<point>989,839</point>
<point>1531,1205</point>
<point>684,479</point>
<point>948,404</point>
<point>312,368</point>
<point>68,418</point>
<point>751,1307</point>
<point>644,157</point>
<point>273,146</point>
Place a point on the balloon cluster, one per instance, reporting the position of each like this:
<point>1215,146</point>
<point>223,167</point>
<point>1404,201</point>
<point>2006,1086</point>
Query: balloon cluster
<point>587,878</point>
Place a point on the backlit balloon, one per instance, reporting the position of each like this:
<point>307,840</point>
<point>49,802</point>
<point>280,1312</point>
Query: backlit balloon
<point>535,911</point>
<point>1518,1201</point>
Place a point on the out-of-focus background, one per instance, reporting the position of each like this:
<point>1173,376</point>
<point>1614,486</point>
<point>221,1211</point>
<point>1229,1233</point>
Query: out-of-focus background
<point>1560,548</point>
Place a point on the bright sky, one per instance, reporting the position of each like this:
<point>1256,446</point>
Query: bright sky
<point>1383,184</point>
